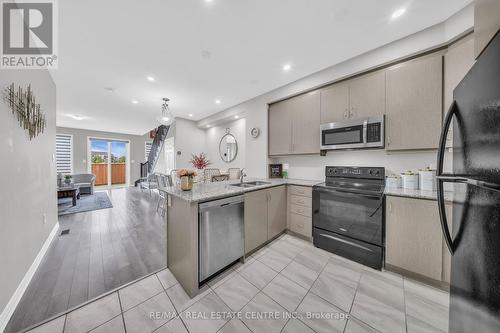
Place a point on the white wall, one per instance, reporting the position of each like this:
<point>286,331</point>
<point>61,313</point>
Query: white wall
<point>213,137</point>
<point>255,110</point>
<point>189,139</point>
<point>313,167</point>
<point>28,178</point>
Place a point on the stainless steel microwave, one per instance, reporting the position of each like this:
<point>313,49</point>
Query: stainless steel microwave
<point>353,134</point>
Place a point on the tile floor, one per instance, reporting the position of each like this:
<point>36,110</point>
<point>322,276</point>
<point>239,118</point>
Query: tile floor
<point>288,286</point>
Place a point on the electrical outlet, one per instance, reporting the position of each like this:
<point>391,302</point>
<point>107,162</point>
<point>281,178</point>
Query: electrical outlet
<point>44,218</point>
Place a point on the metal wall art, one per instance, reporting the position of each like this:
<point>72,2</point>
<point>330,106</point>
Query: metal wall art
<point>22,104</point>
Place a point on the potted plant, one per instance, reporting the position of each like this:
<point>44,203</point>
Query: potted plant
<point>186,176</point>
<point>67,179</point>
<point>200,161</point>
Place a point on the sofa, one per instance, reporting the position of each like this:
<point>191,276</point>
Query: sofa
<point>85,181</point>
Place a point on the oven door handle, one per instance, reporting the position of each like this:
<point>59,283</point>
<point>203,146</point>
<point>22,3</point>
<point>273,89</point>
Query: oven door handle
<point>347,242</point>
<point>365,195</point>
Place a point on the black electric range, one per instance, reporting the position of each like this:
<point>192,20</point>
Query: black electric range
<point>348,214</point>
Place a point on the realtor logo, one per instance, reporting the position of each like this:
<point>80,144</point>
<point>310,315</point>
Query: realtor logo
<point>28,34</point>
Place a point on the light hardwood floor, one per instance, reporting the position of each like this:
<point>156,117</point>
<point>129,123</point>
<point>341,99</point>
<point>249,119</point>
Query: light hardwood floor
<point>104,250</point>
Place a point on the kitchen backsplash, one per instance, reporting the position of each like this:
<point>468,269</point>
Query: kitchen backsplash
<point>313,167</point>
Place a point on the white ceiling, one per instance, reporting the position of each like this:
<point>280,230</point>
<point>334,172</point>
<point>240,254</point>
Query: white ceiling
<point>118,43</point>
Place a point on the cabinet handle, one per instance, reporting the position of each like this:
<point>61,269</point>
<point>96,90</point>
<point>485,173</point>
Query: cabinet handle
<point>390,207</point>
<point>346,114</point>
<point>351,113</point>
<point>388,140</point>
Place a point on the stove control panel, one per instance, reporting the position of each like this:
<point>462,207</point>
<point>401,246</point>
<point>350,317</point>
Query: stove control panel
<point>355,172</point>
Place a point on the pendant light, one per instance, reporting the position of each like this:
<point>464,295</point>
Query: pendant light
<point>166,115</point>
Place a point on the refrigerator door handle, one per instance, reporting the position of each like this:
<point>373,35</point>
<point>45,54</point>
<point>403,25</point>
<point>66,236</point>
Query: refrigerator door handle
<point>440,181</point>
<point>450,178</point>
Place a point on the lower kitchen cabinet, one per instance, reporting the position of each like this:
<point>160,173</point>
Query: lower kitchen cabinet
<point>414,240</point>
<point>300,210</point>
<point>276,211</point>
<point>255,219</point>
<point>265,216</point>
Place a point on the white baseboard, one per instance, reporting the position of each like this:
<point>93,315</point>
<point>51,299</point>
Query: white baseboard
<point>21,288</point>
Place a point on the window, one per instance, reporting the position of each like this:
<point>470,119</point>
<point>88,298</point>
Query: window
<point>147,149</point>
<point>64,153</point>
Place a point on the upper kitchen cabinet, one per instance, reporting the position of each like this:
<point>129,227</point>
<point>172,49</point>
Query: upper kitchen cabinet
<point>486,23</point>
<point>294,125</point>
<point>335,103</point>
<point>367,95</point>
<point>357,98</point>
<point>306,121</point>
<point>457,61</point>
<point>414,104</point>
<point>280,128</point>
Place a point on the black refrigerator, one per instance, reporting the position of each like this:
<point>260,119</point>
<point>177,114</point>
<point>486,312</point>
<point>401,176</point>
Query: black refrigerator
<point>474,238</point>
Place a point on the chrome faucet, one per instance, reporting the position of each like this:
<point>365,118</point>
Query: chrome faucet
<point>242,174</point>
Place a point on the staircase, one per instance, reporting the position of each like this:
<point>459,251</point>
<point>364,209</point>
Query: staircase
<point>156,148</point>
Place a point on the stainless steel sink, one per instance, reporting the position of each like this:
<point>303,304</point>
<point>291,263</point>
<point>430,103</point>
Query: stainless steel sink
<point>242,185</point>
<point>250,184</point>
<point>256,183</point>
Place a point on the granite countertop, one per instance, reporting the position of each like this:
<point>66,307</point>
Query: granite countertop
<point>419,194</point>
<point>211,191</point>
<point>202,192</point>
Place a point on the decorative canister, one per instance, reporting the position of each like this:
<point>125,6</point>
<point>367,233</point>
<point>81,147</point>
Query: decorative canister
<point>409,180</point>
<point>186,183</point>
<point>393,181</point>
<point>427,179</point>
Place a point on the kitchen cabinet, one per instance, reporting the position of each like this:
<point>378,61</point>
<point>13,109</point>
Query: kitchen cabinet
<point>414,239</point>
<point>486,23</point>
<point>367,95</point>
<point>276,211</point>
<point>300,210</point>
<point>357,98</point>
<point>255,219</point>
<point>458,59</point>
<point>414,103</point>
<point>294,125</point>
<point>265,216</point>
<point>335,103</point>
<point>280,128</point>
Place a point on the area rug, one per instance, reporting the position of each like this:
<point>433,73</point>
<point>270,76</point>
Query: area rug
<point>98,200</point>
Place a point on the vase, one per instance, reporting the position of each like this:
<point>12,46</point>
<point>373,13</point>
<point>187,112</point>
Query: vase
<point>186,183</point>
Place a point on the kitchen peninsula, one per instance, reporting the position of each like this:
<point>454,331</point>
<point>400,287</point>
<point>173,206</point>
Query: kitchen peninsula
<point>183,220</point>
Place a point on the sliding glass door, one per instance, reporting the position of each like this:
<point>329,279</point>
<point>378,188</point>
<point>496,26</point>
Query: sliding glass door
<point>109,161</point>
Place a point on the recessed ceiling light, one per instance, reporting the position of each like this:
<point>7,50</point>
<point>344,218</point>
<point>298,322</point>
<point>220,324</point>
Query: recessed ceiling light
<point>135,102</point>
<point>151,79</point>
<point>77,117</point>
<point>287,67</point>
<point>190,115</point>
<point>236,117</point>
<point>165,119</point>
<point>208,126</point>
<point>217,101</point>
<point>208,1</point>
<point>110,89</point>
<point>398,13</point>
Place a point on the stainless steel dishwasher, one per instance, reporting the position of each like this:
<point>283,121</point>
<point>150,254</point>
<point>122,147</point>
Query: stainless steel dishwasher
<point>221,234</point>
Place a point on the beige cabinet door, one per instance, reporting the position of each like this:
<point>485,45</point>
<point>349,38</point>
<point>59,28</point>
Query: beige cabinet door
<point>255,219</point>
<point>335,103</point>
<point>276,211</point>
<point>486,23</point>
<point>413,236</point>
<point>367,95</point>
<point>414,104</point>
<point>306,121</point>
<point>280,128</point>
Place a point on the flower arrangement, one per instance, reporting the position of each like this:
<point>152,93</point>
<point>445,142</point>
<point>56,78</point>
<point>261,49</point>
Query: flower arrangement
<point>186,177</point>
<point>186,172</point>
<point>200,161</point>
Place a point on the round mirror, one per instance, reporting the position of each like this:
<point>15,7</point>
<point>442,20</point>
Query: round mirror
<point>228,148</point>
